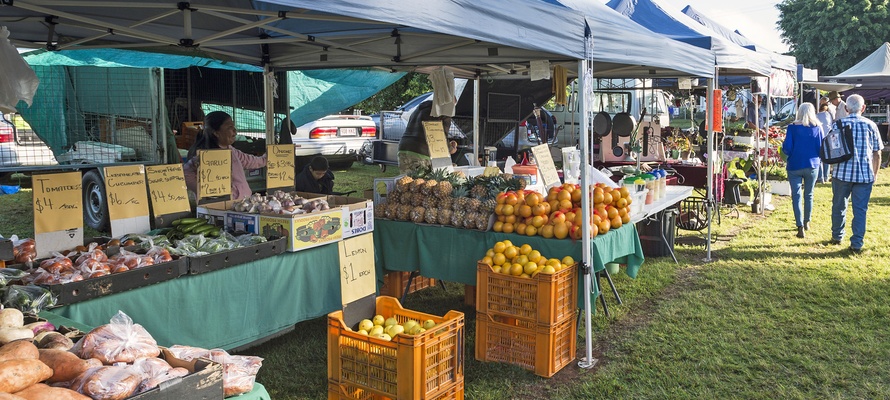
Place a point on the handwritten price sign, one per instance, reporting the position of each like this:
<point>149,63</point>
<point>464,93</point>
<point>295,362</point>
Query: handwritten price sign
<point>546,167</point>
<point>280,167</point>
<point>358,277</point>
<point>440,157</point>
<point>125,189</point>
<point>214,173</point>
<point>58,202</point>
<point>166,186</point>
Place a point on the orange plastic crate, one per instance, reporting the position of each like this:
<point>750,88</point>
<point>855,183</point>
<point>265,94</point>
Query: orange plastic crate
<point>544,349</point>
<point>347,392</point>
<point>394,283</point>
<point>409,367</point>
<point>544,299</point>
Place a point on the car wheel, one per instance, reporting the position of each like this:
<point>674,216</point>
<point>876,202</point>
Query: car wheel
<point>382,167</point>
<point>95,209</point>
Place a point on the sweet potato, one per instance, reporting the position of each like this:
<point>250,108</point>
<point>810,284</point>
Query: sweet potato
<point>65,364</point>
<point>16,375</point>
<point>43,392</point>
<point>7,396</point>
<point>18,350</point>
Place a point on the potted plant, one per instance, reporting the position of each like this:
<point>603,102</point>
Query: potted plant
<point>777,176</point>
<point>758,199</point>
<point>677,146</point>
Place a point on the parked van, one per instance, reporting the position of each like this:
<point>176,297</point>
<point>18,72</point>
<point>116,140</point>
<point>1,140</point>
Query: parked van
<point>613,96</point>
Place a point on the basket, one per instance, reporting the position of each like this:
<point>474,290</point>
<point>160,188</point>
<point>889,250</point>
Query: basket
<point>408,367</point>
<point>544,349</point>
<point>543,299</point>
<point>394,283</point>
<point>348,392</point>
<point>693,214</point>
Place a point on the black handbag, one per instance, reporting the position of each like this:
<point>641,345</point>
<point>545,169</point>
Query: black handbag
<point>837,146</point>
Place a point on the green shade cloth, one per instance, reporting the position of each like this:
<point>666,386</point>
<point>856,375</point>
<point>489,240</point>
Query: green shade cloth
<point>451,254</point>
<point>230,307</point>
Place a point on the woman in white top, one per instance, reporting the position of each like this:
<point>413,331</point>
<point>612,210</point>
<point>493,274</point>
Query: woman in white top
<point>823,175</point>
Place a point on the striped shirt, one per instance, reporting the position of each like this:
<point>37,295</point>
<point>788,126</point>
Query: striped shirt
<point>866,141</point>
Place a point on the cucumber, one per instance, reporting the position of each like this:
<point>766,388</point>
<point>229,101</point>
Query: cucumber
<point>203,229</point>
<point>188,221</point>
<point>191,228</point>
<point>213,232</point>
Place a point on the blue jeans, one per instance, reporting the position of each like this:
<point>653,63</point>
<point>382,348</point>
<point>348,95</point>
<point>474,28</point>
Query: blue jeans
<point>860,193</point>
<point>823,173</point>
<point>807,179</point>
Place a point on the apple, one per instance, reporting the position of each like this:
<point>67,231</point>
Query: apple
<point>429,324</point>
<point>365,325</point>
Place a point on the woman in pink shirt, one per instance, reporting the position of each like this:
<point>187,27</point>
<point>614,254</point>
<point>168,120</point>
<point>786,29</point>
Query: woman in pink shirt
<point>219,133</point>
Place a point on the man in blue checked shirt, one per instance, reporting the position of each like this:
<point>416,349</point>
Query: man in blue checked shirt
<point>855,177</point>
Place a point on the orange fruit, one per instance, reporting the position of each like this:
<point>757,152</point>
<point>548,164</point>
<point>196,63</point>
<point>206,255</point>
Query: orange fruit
<point>564,195</point>
<point>499,247</point>
<point>507,209</point>
<point>520,228</point>
<point>604,226</point>
<point>621,202</point>
<point>532,199</point>
<point>501,198</point>
<point>598,195</point>
<point>616,194</point>
<point>625,219</point>
<point>624,192</point>
<point>576,196</point>
<point>547,231</point>
<point>537,221</point>
<point>530,230</point>
<point>560,231</point>
<point>576,232</point>
<point>487,260</point>
<point>499,209</point>
<point>616,222</point>
<point>558,217</point>
<point>594,230</point>
<point>502,218</point>
<point>570,216</point>
<point>607,198</point>
<point>511,198</point>
<point>511,219</point>
<point>498,226</point>
<point>508,227</point>
<point>547,208</point>
<point>525,249</point>
<point>525,211</point>
<point>511,251</point>
<point>499,259</point>
<point>534,256</point>
<point>516,269</point>
<point>553,192</point>
<point>612,212</point>
<point>565,205</point>
<point>538,209</point>
<point>530,267</point>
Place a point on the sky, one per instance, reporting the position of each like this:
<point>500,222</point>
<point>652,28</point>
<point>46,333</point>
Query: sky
<point>755,19</point>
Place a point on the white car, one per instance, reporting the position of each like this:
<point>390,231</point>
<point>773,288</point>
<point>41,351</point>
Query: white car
<point>20,146</point>
<point>337,137</point>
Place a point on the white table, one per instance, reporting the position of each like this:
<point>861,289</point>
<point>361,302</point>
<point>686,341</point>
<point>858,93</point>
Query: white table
<point>673,195</point>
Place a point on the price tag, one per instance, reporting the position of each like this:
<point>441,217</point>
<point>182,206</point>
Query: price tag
<point>166,185</point>
<point>440,157</point>
<point>546,167</point>
<point>127,199</point>
<point>358,277</point>
<point>214,173</point>
<point>58,211</point>
<point>280,167</point>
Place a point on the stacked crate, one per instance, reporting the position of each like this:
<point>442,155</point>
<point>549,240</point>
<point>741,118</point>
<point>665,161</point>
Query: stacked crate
<point>528,322</point>
<point>395,282</point>
<point>427,366</point>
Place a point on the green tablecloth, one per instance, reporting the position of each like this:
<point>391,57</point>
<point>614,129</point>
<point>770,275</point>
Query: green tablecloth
<point>451,254</point>
<point>229,307</point>
<point>258,393</point>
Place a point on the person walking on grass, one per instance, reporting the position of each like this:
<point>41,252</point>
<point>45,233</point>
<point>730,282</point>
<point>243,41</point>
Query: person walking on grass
<point>854,178</point>
<point>802,142</point>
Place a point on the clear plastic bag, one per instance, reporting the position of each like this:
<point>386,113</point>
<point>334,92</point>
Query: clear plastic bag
<point>28,299</point>
<point>10,274</point>
<point>108,382</point>
<point>119,341</point>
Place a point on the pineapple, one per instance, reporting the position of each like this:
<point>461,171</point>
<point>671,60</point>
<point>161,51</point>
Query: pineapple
<point>430,202</point>
<point>404,183</point>
<point>415,199</point>
<point>429,187</point>
<point>457,219</point>
<point>482,221</point>
<point>404,212</point>
<point>446,203</point>
<point>431,216</point>
<point>395,197</point>
<point>445,216</point>
<point>470,220</point>
<point>390,210</point>
<point>417,185</point>
<point>444,188</point>
<point>473,205</point>
<point>416,214</point>
<point>488,205</point>
<point>380,210</point>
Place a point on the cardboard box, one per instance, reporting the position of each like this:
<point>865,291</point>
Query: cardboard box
<point>204,381</point>
<point>383,186</point>
<point>358,214</point>
<point>304,231</point>
<point>215,213</point>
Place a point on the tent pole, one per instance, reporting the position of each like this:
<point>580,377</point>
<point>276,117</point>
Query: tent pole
<point>711,155</point>
<point>588,361</point>
<point>476,94</point>
<point>269,105</point>
<point>769,112</point>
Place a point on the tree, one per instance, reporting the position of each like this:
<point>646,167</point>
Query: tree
<point>411,85</point>
<point>833,35</point>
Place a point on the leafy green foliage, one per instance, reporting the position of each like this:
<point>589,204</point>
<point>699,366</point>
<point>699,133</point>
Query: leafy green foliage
<point>833,35</point>
<point>411,85</point>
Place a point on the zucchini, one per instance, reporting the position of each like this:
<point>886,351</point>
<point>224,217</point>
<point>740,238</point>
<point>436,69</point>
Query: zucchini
<point>188,221</point>
<point>203,229</point>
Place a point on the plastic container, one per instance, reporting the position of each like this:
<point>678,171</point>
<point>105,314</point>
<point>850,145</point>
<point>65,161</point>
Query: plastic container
<point>544,299</point>
<point>527,172</point>
<point>544,349</point>
<point>638,199</point>
<point>338,391</point>
<point>421,367</point>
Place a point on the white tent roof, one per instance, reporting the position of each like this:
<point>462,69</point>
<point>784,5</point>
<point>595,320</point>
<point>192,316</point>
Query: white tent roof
<point>873,72</point>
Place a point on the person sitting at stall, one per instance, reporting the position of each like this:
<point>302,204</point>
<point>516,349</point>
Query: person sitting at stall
<point>414,153</point>
<point>219,133</point>
<point>316,177</point>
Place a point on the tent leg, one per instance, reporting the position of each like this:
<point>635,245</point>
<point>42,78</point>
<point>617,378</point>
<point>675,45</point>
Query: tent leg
<point>601,295</point>
<point>611,284</point>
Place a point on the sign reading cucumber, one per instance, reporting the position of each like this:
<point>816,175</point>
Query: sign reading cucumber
<point>440,156</point>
